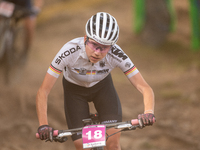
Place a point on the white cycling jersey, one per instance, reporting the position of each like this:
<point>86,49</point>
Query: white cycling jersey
<point>73,61</point>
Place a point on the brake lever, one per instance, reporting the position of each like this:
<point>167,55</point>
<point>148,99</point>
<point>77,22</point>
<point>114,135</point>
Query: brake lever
<point>130,128</point>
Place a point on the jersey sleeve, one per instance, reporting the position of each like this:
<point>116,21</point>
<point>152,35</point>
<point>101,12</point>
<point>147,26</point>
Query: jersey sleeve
<point>54,71</point>
<point>121,60</point>
<point>59,62</point>
<point>131,72</point>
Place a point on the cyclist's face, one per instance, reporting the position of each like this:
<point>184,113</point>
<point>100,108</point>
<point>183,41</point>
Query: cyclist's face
<point>95,51</point>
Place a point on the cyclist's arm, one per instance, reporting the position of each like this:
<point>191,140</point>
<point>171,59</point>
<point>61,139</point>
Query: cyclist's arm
<point>148,94</point>
<point>42,97</point>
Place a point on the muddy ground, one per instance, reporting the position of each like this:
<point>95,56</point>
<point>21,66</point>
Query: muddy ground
<point>172,69</point>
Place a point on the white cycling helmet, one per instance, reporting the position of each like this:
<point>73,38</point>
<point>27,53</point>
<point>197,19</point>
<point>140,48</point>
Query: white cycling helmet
<point>103,28</point>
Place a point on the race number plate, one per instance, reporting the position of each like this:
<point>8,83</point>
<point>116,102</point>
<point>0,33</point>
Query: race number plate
<point>94,136</point>
<point>6,8</point>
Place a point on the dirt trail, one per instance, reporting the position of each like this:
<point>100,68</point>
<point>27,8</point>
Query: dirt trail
<point>172,70</point>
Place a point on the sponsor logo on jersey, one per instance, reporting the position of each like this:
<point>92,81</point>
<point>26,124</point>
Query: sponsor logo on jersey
<point>67,53</point>
<point>83,71</point>
<point>128,65</point>
<point>119,53</point>
<point>102,71</point>
<point>102,64</point>
<point>114,57</point>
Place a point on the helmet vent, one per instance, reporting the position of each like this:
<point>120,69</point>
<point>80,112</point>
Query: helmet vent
<point>94,24</point>
<point>115,37</point>
<point>101,25</point>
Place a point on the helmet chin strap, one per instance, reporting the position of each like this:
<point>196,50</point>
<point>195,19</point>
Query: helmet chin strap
<point>88,58</point>
<point>86,40</point>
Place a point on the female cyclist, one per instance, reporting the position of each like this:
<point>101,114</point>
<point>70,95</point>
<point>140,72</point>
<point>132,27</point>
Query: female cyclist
<point>86,63</point>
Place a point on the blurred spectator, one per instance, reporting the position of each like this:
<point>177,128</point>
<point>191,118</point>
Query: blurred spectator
<point>29,21</point>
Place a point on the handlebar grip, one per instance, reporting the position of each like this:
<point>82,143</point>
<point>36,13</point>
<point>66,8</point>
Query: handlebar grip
<point>136,121</point>
<point>55,133</point>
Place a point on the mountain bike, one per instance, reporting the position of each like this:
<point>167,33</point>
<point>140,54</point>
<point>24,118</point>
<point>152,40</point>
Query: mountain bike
<point>13,42</point>
<point>94,134</point>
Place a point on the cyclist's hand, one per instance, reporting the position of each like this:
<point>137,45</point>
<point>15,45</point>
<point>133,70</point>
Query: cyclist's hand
<point>146,119</point>
<point>45,133</point>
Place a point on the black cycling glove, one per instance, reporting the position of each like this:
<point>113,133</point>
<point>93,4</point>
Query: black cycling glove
<point>146,119</point>
<point>46,132</point>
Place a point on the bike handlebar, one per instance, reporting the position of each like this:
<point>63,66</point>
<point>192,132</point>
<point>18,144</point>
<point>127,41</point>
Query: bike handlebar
<point>119,125</point>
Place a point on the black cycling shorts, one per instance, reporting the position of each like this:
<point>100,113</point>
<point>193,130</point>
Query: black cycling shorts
<point>104,97</point>
<point>24,3</point>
